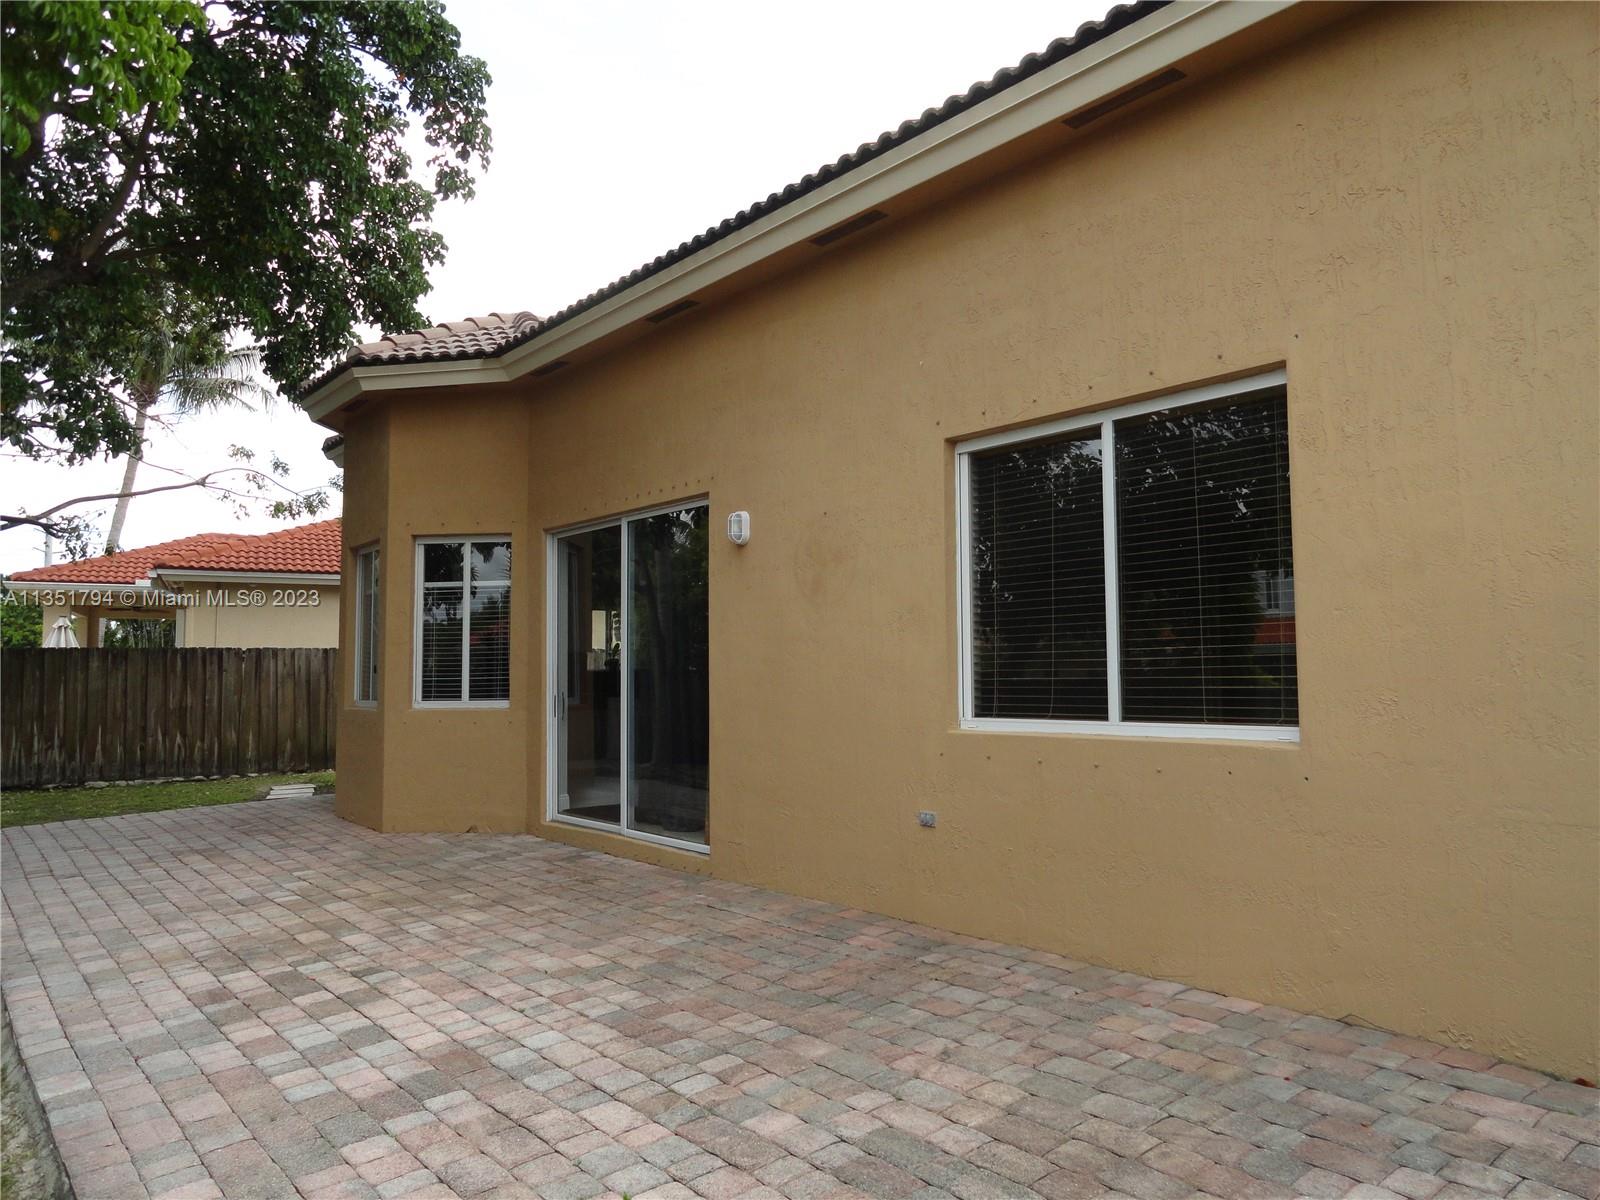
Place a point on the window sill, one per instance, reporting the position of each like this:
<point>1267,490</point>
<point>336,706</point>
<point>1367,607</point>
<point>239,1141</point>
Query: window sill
<point>1150,730</point>
<point>448,705</point>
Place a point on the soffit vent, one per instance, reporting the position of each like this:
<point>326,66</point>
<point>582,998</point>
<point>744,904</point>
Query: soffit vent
<point>550,368</point>
<point>853,225</point>
<point>671,310</point>
<point>1125,97</point>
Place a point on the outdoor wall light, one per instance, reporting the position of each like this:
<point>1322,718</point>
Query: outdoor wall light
<point>739,527</point>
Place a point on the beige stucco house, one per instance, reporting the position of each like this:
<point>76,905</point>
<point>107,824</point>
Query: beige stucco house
<point>277,589</point>
<point>1144,508</point>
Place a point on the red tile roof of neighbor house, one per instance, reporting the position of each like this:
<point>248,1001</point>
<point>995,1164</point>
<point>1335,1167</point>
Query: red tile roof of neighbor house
<point>302,550</point>
<point>494,334</point>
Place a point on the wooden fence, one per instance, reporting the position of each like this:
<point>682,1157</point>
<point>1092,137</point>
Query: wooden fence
<point>76,716</point>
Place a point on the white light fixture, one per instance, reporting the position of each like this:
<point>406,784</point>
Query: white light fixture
<point>739,527</point>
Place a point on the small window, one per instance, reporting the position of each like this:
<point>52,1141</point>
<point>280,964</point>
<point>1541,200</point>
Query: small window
<point>463,633</point>
<point>1132,571</point>
<point>367,625</point>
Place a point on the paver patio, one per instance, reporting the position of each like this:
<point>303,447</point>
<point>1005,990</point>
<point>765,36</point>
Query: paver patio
<point>262,1000</point>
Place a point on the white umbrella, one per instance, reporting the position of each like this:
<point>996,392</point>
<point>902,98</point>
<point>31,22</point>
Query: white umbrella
<point>61,636</point>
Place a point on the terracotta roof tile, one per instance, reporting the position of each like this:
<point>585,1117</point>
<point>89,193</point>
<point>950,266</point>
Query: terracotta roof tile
<point>485,337</point>
<point>474,337</point>
<point>304,549</point>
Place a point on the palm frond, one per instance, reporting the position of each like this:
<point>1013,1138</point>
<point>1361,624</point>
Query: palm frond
<point>228,380</point>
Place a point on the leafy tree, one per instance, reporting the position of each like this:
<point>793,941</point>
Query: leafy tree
<point>148,633</point>
<point>107,61</point>
<point>183,358</point>
<point>21,621</point>
<point>249,155</point>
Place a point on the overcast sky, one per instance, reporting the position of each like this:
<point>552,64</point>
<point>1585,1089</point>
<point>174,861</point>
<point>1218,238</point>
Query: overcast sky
<point>620,130</point>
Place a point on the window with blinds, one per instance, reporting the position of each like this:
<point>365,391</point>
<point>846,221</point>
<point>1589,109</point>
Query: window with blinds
<point>367,625</point>
<point>463,621</point>
<point>1133,571</point>
<point>1038,587</point>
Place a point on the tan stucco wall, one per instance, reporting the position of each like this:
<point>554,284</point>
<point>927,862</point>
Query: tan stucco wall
<point>477,767</point>
<point>259,614</point>
<point>359,761</point>
<point>1402,210</point>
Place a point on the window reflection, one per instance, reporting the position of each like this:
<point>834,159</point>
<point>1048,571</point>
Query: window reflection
<point>1038,560</point>
<point>464,622</point>
<point>441,642</point>
<point>1207,565</point>
<point>589,690</point>
<point>669,722</point>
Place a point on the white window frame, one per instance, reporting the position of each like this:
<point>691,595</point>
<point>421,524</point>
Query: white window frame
<point>362,601</point>
<point>1103,423</point>
<point>466,623</point>
<point>553,656</point>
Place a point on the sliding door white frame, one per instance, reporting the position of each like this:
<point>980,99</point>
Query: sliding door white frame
<point>555,656</point>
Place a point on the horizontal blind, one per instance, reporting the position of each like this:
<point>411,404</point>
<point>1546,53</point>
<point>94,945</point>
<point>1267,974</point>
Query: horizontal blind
<point>1205,564</point>
<point>1038,580</point>
<point>489,637</point>
<point>442,626</point>
<point>441,642</point>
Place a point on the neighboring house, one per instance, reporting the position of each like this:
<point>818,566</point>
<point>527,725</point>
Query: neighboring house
<point>220,589</point>
<point>1011,398</point>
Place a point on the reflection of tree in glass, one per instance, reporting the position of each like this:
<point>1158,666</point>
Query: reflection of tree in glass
<point>1204,565</point>
<point>489,634</point>
<point>1203,527</point>
<point>605,566</point>
<point>1039,637</point>
<point>670,646</point>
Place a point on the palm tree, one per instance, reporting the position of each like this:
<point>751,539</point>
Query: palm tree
<point>184,359</point>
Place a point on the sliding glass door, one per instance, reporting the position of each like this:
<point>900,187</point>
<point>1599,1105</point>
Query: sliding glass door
<point>588,696</point>
<point>630,722</point>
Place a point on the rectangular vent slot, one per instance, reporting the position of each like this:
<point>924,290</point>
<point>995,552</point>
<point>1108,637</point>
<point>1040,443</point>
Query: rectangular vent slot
<point>853,225</point>
<point>672,310</point>
<point>1127,96</point>
<point>550,368</point>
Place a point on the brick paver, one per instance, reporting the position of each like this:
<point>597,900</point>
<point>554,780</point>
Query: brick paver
<point>261,1000</point>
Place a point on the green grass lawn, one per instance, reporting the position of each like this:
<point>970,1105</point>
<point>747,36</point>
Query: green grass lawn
<point>72,804</point>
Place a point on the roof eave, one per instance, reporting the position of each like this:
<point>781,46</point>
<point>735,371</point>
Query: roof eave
<point>1134,53</point>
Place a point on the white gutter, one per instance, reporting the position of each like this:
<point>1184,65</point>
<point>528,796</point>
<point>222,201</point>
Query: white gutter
<point>82,592</point>
<point>1141,50</point>
<point>316,578</point>
<point>97,594</point>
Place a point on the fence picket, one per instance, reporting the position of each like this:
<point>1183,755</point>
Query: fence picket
<point>73,716</point>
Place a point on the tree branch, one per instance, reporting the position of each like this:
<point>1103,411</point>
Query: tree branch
<point>43,518</point>
<point>139,151</point>
<point>132,253</point>
<point>82,262</point>
<point>208,481</point>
